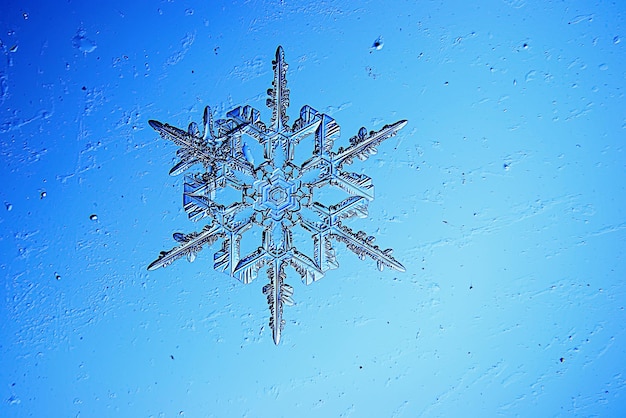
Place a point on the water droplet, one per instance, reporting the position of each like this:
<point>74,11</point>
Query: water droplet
<point>93,217</point>
<point>57,276</point>
<point>603,67</point>
<point>13,48</point>
<point>43,194</point>
<point>8,205</point>
<point>616,40</point>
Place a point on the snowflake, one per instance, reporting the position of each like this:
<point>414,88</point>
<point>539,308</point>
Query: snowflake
<point>275,195</point>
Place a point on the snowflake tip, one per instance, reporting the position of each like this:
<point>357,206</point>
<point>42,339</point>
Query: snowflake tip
<point>280,53</point>
<point>276,335</point>
<point>155,124</point>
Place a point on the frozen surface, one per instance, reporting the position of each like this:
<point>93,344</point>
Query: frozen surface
<point>504,198</point>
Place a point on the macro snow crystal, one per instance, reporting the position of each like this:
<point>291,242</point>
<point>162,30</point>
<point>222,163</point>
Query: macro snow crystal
<point>275,194</point>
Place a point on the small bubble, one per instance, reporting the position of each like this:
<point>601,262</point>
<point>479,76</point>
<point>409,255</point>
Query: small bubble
<point>189,12</point>
<point>25,16</point>
<point>43,195</point>
<point>8,206</point>
<point>93,217</point>
<point>57,276</point>
<point>506,166</point>
<point>616,40</point>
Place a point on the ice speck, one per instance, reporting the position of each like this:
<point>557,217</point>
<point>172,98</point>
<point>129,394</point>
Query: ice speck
<point>378,44</point>
<point>82,43</point>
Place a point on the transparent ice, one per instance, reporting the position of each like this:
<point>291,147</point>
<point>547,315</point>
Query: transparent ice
<point>276,194</point>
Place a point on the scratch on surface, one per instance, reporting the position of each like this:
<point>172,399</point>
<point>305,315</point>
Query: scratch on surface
<point>178,55</point>
<point>609,229</point>
<point>14,124</point>
<point>250,69</point>
<point>519,213</point>
<point>469,379</point>
<point>581,18</point>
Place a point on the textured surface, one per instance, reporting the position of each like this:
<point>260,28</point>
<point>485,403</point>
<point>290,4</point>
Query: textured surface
<point>504,199</point>
<point>276,195</point>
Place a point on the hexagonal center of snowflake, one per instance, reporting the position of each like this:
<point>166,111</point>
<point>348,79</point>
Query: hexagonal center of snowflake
<point>277,194</point>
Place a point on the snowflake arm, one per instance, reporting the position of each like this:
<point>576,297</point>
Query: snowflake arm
<point>358,242</point>
<point>278,293</point>
<point>193,147</point>
<point>363,144</point>
<point>278,99</point>
<point>191,244</point>
<point>363,245</point>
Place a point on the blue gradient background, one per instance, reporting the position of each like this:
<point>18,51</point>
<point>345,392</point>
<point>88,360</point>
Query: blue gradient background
<point>504,198</point>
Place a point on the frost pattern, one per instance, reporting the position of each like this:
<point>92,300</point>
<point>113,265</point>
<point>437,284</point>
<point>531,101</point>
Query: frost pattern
<point>276,193</point>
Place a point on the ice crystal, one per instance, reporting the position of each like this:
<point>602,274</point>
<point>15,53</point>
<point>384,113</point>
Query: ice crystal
<point>275,195</point>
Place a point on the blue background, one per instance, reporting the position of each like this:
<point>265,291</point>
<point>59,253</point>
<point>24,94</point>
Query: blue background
<point>504,197</point>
